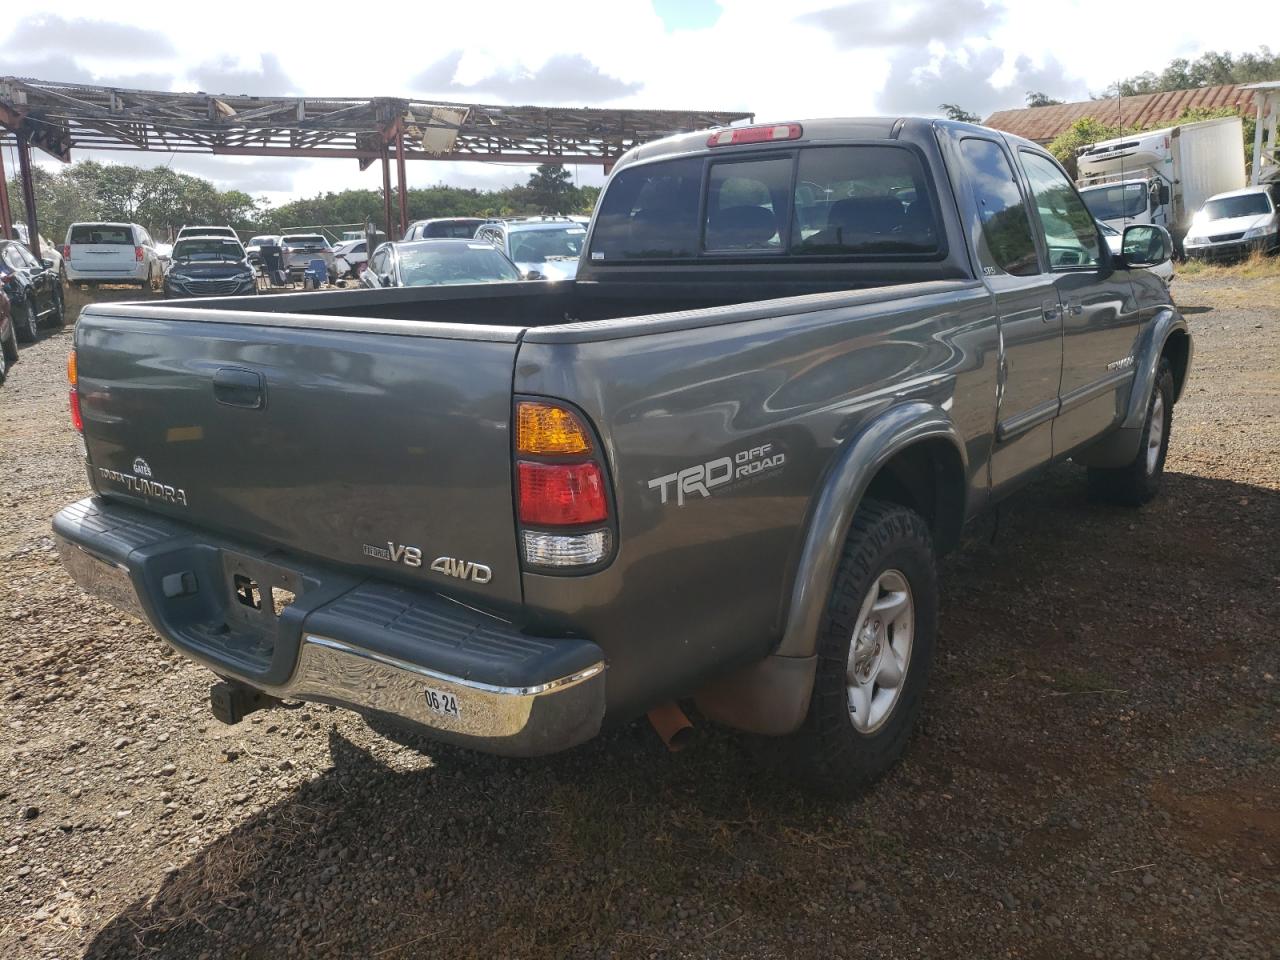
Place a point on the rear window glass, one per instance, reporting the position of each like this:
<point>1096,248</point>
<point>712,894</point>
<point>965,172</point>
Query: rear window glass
<point>856,200</point>
<point>455,229</point>
<point>101,233</point>
<point>448,263</point>
<point>862,200</point>
<point>650,213</point>
<point>306,239</point>
<point>747,204</point>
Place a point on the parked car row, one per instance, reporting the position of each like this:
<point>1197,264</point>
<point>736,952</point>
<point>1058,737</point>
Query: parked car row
<point>30,297</point>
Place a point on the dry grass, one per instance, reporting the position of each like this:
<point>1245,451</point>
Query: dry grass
<point>1255,267</point>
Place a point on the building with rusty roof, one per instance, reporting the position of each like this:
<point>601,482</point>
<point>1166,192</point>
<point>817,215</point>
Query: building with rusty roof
<point>1145,111</point>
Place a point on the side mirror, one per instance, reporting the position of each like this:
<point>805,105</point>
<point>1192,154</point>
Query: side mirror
<point>1145,245</point>
<point>48,264</point>
<point>1162,193</point>
<point>534,275</point>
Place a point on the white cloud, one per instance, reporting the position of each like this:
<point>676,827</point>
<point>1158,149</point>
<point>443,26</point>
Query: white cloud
<point>784,61</point>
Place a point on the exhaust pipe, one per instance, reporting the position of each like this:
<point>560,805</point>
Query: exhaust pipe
<point>671,725</point>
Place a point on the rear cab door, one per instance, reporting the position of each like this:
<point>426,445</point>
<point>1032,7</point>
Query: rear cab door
<point>1100,315</point>
<point>1026,301</point>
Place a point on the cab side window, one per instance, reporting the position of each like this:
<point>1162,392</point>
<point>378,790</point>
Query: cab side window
<point>1006,226</point>
<point>1070,232</point>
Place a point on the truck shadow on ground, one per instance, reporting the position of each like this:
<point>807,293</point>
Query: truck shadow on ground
<point>618,843</point>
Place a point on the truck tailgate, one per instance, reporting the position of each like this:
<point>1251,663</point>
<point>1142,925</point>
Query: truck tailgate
<point>375,445</point>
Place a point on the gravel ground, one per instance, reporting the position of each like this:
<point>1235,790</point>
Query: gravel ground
<point>1096,775</point>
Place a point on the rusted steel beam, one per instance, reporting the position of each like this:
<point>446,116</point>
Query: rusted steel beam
<point>28,192</point>
<point>403,182</point>
<point>6,214</point>
<point>386,193</point>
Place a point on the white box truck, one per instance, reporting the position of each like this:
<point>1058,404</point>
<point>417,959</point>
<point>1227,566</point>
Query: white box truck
<point>1161,176</point>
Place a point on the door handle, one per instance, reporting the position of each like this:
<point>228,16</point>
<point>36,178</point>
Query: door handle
<point>237,387</point>
<point>1077,309</point>
<point>1052,311</point>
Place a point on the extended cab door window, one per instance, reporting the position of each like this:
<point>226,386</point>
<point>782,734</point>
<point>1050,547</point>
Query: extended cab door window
<point>1006,227</point>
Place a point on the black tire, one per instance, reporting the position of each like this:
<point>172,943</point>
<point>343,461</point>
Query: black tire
<point>58,318</point>
<point>829,753</point>
<point>1138,482</point>
<point>10,346</point>
<point>25,321</point>
<point>5,360</point>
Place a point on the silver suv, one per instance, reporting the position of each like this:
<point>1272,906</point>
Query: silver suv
<point>544,248</point>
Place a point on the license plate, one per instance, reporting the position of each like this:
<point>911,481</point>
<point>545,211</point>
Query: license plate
<point>443,703</point>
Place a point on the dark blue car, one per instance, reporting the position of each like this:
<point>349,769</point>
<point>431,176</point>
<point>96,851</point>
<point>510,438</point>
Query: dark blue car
<point>210,267</point>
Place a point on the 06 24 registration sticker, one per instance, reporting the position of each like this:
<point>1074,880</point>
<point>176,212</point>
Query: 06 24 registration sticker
<point>439,701</point>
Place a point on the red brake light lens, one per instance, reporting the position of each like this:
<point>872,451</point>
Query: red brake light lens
<point>731,136</point>
<point>561,494</point>
<point>137,254</point>
<point>77,420</point>
<point>66,251</point>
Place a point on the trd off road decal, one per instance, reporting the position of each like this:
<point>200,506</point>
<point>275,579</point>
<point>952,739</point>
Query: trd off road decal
<point>703,478</point>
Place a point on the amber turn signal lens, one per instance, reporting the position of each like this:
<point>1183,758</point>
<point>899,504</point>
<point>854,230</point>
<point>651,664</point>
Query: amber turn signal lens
<point>71,367</point>
<point>543,428</point>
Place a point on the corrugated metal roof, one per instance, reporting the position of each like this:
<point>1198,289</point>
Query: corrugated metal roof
<point>1042,124</point>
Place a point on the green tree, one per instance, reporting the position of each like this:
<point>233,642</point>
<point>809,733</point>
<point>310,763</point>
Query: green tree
<point>550,189</point>
<point>1037,99</point>
<point>1084,131</point>
<point>956,112</point>
<point>1209,69</point>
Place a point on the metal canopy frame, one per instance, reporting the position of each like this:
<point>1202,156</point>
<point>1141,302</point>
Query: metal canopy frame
<point>59,117</point>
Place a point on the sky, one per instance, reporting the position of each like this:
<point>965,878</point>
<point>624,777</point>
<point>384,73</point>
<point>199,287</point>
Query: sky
<point>782,61</point>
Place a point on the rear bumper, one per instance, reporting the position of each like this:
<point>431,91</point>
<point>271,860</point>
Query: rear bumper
<point>135,273</point>
<point>465,677</point>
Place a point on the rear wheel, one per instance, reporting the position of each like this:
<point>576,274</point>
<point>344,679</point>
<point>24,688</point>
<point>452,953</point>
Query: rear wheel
<point>1139,481</point>
<point>5,359</point>
<point>24,320</point>
<point>59,315</point>
<point>874,649</point>
<point>9,347</point>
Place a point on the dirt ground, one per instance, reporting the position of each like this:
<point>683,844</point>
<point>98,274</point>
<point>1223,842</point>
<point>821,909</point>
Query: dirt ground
<point>1097,773</point>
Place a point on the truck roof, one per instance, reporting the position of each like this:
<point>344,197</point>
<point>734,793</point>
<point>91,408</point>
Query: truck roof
<point>814,130</point>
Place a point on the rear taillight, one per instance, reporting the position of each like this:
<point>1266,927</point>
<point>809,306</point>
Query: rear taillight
<point>562,494</point>
<point>562,497</point>
<point>66,251</point>
<point>73,377</point>
<point>137,254</point>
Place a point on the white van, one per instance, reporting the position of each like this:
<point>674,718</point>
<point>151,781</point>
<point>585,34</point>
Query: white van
<point>111,253</point>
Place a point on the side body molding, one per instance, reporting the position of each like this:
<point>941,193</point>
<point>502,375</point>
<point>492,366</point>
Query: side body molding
<point>772,695</point>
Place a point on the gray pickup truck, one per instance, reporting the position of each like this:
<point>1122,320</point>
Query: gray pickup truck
<point>718,466</point>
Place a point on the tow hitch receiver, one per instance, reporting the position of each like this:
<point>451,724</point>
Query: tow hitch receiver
<point>231,702</point>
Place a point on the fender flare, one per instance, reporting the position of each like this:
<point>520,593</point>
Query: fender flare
<point>842,491</point>
<point>771,696</point>
<point>1166,323</point>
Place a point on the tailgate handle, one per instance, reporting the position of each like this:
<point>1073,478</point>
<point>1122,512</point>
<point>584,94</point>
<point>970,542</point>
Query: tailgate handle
<point>237,387</point>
